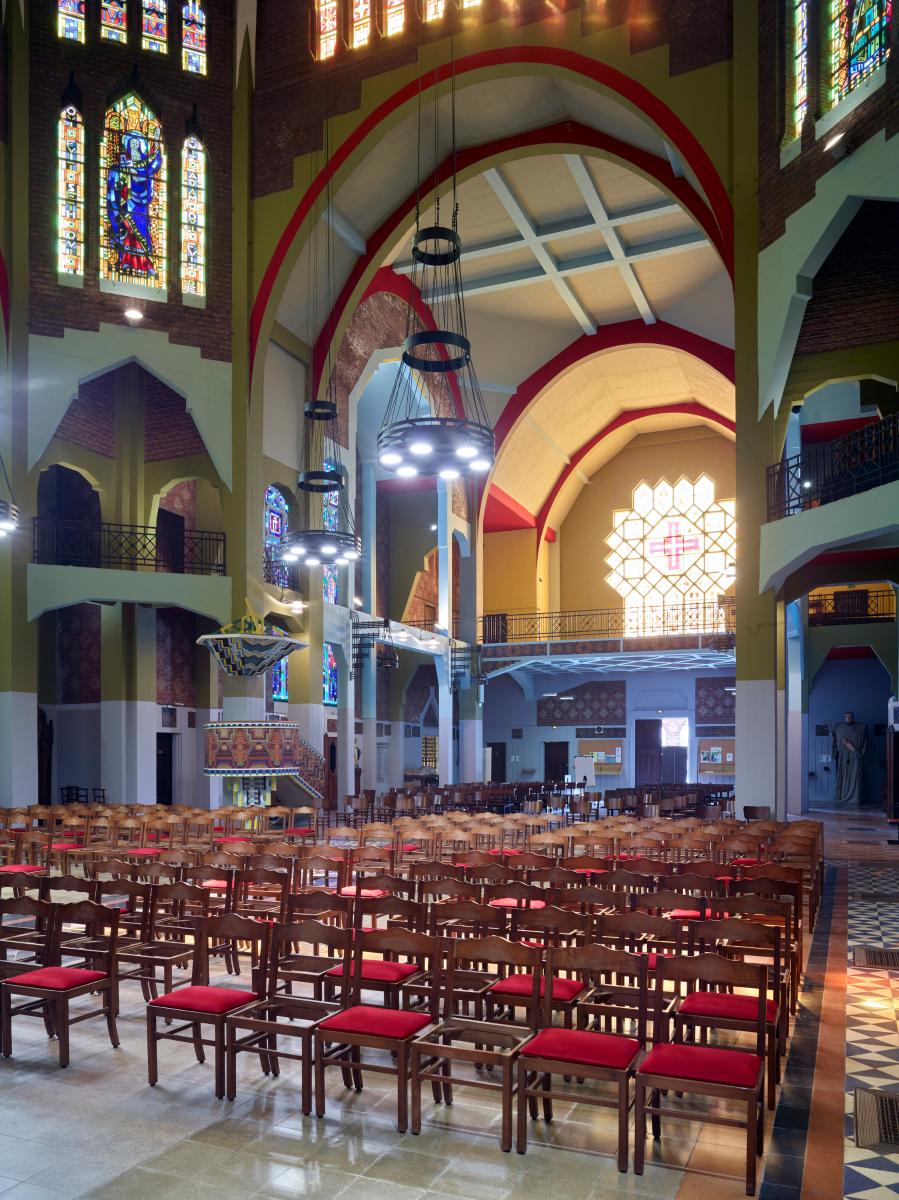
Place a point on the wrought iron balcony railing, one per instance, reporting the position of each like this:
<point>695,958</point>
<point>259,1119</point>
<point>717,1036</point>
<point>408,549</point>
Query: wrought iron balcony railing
<point>856,462</point>
<point>656,621</point>
<point>279,573</point>
<point>127,547</point>
<point>859,606</point>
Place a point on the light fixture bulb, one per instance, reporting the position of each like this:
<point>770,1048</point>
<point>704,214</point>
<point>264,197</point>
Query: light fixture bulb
<point>357,600</point>
<point>390,459</point>
<point>449,473</point>
<point>313,562</point>
<point>328,550</point>
<point>352,555</point>
<point>421,449</point>
<point>341,561</point>
<point>7,525</point>
<point>289,556</point>
<point>133,316</point>
<point>467,452</point>
<point>433,529</point>
<point>479,464</point>
<point>407,472</point>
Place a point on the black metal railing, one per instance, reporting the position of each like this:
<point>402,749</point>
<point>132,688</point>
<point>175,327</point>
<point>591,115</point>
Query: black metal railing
<point>859,606</point>
<point>666,620</point>
<point>279,573</point>
<point>822,473</point>
<point>128,547</point>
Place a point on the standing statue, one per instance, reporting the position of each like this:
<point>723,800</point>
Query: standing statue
<point>129,198</point>
<point>850,741</point>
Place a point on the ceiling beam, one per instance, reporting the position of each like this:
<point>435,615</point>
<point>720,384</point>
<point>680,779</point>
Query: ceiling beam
<point>598,212</point>
<point>522,223</point>
<point>347,233</point>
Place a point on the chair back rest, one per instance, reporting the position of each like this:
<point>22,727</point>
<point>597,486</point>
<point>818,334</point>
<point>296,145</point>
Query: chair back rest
<point>68,883</point>
<point>619,977</point>
<point>393,944</point>
<point>94,919</point>
<point>409,912</point>
<point>455,918</point>
<point>506,955</point>
<point>311,933</point>
<point>458,889</point>
<point>229,927</point>
<point>709,969</point>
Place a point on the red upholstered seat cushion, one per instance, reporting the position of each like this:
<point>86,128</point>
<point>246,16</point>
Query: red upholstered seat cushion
<point>244,838</point>
<point>591,870</point>
<point>378,971</point>
<point>376,1021</point>
<point>143,851</point>
<point>497,853</point>
<point>298,829</point>
<point>26,867</point>
<point>580,1046</point>
<point>521,984</point>
<point>65,846</point>
<point>703,1064</point>
<point>61,978</point>
<point>719,1004</point>
<point>409,847</point>
<point>364,893</point>
<point>215,883</point>
<point>205,999</point>
<point>685,914</point>
<point>745,862</point>
<point>511,902</point>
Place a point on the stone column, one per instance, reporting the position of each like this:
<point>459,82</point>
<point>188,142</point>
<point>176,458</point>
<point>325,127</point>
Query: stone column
<point>446,748</point>
<point>128,708</point>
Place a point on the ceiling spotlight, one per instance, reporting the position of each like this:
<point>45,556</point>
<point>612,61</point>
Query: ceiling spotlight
<point>806,483</point>
<point>328,550</point>
<point>467,452</point>
<point>357,601</point>
<point>341,561</point>
<point>479,464</point>
<point>133,316</point>
<point>351,555</point>
<point>406,472</point>
<point>433,528</point>
<point>572,697</point>
<point>837,146</point>
<point>289,556</point>
<point>420,448</point>
<point>313,562</point>
<point>550,695</point>
<point>449,473</point>
<point>390,459</point>
<point>297,606</point>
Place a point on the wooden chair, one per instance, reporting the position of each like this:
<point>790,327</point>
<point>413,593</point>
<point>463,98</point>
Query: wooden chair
<point>340,1039</point>
<point>540,929</point>
<point>480,1043</point>
<point>199,1004</point>
<point>727,1074</point>
<point>166,939</point>
<point>53,988</point>
<point>608,1057</point>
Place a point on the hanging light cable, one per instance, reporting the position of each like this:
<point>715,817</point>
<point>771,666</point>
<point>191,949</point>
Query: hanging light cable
<point>436,422</point>
<point>324,530</point>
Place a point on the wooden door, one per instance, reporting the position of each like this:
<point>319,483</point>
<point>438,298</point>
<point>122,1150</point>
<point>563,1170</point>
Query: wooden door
<point>647,752</point>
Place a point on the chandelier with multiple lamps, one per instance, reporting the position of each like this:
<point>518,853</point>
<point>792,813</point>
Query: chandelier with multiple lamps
<point>436,422</point>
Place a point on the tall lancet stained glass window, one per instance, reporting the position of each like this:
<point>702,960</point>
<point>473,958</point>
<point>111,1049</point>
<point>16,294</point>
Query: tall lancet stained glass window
<point>327,28</point>
<point>275,533</point>
<point>70,19</point>
<point>329,675</point>
<point>193,217</point>
<point>193,37</point>
<point>70,192</point>
<point>155,26</point>
<point>133,221</point>
<point>672,557</point>
<point>800,64</point>
<point>860,41</point>
<point>330,520</point>
<point>361,23</point>
<point>114,20</point>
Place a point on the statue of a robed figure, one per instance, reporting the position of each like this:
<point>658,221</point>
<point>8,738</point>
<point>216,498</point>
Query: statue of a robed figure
<point>850,741</point>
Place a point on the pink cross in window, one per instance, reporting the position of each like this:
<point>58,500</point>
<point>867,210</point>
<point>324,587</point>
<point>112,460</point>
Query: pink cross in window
<point>673,546</point>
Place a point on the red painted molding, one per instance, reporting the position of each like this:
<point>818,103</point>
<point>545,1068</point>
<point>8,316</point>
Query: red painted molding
<point>549,535</point>
<point>423,483</point>
<point>674,130</point>
<point>837,558</point>
<point>827,431</point>
<point>850,652</point>
<point>504,514</point>
<point>4,297</point>
<point>688,408</point>
<point>612,337</point>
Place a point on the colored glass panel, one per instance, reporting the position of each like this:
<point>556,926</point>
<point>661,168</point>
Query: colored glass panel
<point>70,192</point>
<point>193,37</point>
<point>155,26</point>
<point>114,20</point>
<point>279,681</point>
<point>331,500</point>
<point>275,525</point>
<point>133,224</point>
<point>193,218</point>
<point>361,23</point>
<point>434,9</point>
<point>329,675</point>
<point>327,28</point>
<point>70,19</point>
<point>800,64</point>
<point>860,41</point>
<point>330,582</point>
<point>394,16</point>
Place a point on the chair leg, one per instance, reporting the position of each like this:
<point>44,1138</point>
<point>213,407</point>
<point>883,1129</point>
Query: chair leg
<point>112,1008</point>
<point>751,1137</point>
<point>547,1097</point>
<point>198,1042</point>
<point>507,1092</point>
<point>306,1077</point>
<point>402,1087</point>
<point>521,1137</point>
<point>772,1066</point>
<point>5,1022</point>
<point>639,1125</point>
<point>218,1038</point>
<point>230,1062</point>
<point>319,1078</point>
<point>62,1029</point>
<point>623,1119</point>
<point>415,1084</point>
<point>152,1057</point>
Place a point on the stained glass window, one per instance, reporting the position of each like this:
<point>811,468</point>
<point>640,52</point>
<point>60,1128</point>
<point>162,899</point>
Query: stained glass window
<point>327,28</point>
<point>394,16</point>
<point>434,9</point>
<point>274,532</point>
<point>800,64</point>
<point>331,500</point>
<point>70,19</point>
<point>361,23</point>
<point>193,37</point>
<point>329,674</point>
<point>114,20</point>
<point>155,26</point>
<point>279,681</point>
<point>70,192</point>
<point>329,585</point>
<point>193,217</point>
<point>133,195</point>
<point>860,41</point>
<point>672,557</point>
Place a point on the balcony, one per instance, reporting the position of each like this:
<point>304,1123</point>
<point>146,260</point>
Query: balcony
<point>279,573</point>
<point>127,548</point>
<point>856,462</point>
<point>664,621</point>
<point>860,606</point>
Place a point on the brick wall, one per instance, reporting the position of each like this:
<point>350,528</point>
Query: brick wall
<point>698,32</point>
<point>714,702</point>
<point>182,499</point>
<point>176,651</point>
<point>169,429</point>
<point>379,321</point>
<point>101,70</point>
<point>856,291</point>
<point>783,191</point>
<point>78,654</point>
<point>422,686</point>
<point>90,420</point>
